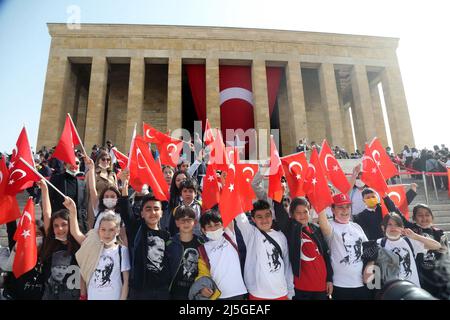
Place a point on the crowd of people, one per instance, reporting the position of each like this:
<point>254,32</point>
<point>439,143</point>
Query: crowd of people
<point>106,241</point>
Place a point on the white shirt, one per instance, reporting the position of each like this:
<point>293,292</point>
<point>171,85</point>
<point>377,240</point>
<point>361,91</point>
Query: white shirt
<point>408,268</point>
<point>106,282</point>
<point>267,274</point>
<point>345,243</point>
<point>225,266</point>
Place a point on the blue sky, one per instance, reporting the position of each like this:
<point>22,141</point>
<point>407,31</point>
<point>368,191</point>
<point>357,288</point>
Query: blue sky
<point>422,27</point>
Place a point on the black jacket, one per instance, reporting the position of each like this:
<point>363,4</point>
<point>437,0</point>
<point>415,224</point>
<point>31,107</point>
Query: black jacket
<point>292,230</point>
<point>370,221</point>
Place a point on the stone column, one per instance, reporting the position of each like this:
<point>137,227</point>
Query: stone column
<point>212,92</point>
<point>397,108</point>
<point>174,108</point>
<point>54,102</point>
<point>135,98</point>
<point>261,107</point>
<point>362,105</point>
<point>347,129</point>
<point>380,128</point>
<point>296,110</point>
<point>330,105</point>
<point>95,119</point>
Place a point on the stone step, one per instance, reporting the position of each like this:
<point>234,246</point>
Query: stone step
<point>441,219</point>
<point>435,207</point>
<point>443,226</point>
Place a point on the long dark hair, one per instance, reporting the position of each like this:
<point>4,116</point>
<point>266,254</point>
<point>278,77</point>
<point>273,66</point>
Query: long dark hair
<point>175,193</point>
<point>50,244</point>
<point>101,206</point>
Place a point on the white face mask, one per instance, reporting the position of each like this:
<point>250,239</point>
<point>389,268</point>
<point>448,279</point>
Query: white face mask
<point>215,235</point>
<point>359,183</point>
<point>39,241</point>
<point>63,239</point>
<point>72,173</point>
<point>102,166</point>
<point>392,237</point>
<point>110,202</point>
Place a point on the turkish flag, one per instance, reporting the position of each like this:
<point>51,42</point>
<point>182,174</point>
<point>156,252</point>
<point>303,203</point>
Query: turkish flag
<point>295,167</point>
<point>236,98</point>
<point>371,174</point>
<point>218,155</point>
<point>65,149</point>
<point>9,208</point>
<point>208,136</point>
<point>230,201</point>
<point>448,177</point>
<point>25,236</point>
<point>122,159</point>
<point>211,188</point>
<point>18,179</point>
<point>275,173</point>
<point>245,174</point>
<point>152,135</point>
<point>169,151</point>
<point>144,170</point>
<point>232,154</point>
<point>316,186</point>
<point>398,196</point>
<point>333,169</point>
<point>382,159</point>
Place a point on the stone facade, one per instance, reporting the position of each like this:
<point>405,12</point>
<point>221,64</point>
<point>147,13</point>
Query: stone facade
<point>111,76</point>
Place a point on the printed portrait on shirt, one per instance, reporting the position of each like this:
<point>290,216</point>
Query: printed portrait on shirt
<point>155,253</point>
<point>273,256</point>
<point>405,261</point>
<point>102,274</point>
<point>190,260</point>
<point>353,248</point>
<point>60,266</point>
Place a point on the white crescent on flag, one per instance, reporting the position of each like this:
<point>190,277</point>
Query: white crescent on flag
<point>236,93</point>
<point>310,165</point>
<point>373,155</point>
<point>303,256</point>
<point>147,133</point>
<point>396,194</point>
<point>139,152</point>
<point>26,214</point>
<point>293,163</point>
<point>249,169</point>
<point>22,174</point>
<point>1,177</point>
<point>326,160</point>
<point>173,145</point>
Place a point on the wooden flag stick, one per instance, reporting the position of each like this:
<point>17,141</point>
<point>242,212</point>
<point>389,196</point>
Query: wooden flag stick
<point>40,176</point>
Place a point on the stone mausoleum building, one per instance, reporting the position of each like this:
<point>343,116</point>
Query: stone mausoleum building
<point>109,77</point>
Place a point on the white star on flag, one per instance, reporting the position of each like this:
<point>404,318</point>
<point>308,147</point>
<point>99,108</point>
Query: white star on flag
<point>11,181</point>
<point>314,181</point>
<point>26,233</point>
<point>248,180</point>
<point>335,168</point>
<point>231,187</point>
<point>378,163</point>
<point>374,170</point>
<point>210,178</point>
<point>298,177</point>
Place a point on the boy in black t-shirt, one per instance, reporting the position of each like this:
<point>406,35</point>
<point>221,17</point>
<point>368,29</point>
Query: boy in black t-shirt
<point>183,254</point>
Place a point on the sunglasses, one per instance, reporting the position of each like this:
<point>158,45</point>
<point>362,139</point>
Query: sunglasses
<point>105,159</point>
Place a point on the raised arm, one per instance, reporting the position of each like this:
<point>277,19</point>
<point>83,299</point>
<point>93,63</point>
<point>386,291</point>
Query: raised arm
<point>93,197</point>
<point>324,224</point>
<point>74,228</point>
<point>281,217</point>
<point>356,171</point>
<point>244,226</point>
<point>46,206</point>
<point>258,186</point>
<point>429,244</point>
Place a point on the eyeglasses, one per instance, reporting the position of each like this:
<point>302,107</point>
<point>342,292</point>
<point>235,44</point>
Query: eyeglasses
<point>186,220</point>
<point>105,159</point>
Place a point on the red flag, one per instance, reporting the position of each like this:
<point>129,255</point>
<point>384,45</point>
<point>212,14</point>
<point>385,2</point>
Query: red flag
<point>232,154</point>
<point>230,202</point>
<point>26,249</point>
<point>371,174</point>
<point>65,149</point>
<point>218,154</point>
<point>208,136</point>
<point>275,173</point>
<point>211,189</point>
<point>382,159</point>
<point>18,179</point>
<point>316,186</point>
<point>245,174</point>
<point>398,196</point>
<point>9,208</point>
<point>144,170</point>
<point>152,135</point>
<point>448,177</point>
<point>122,159</point>
<point>295,167</point>
<point>333,169</point>
<point>169,151</point>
